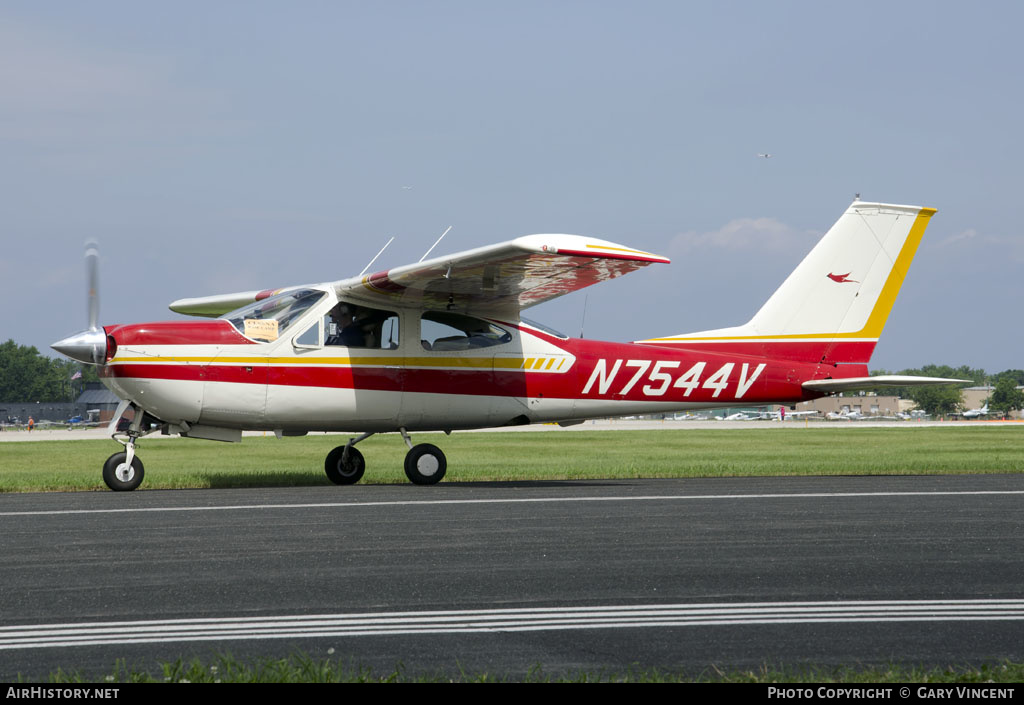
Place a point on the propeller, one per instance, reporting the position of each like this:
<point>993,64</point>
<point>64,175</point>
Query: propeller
<point>89,345</point>
<point>92,275</point>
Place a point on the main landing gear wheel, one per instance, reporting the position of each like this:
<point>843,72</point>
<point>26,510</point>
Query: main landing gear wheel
<point>425,464</point>
<point>121,477</point>
<point>342,470</point>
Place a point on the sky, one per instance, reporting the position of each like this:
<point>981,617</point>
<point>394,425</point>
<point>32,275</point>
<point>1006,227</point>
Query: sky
<point>220,147</point>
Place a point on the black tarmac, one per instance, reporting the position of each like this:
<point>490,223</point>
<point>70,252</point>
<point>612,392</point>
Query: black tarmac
<point>683,575</point>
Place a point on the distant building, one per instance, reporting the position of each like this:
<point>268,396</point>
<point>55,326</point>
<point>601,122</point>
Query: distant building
<point>100,402</point>
<point>95,403</point>
<point>977,397</point>
<point>867,405</point>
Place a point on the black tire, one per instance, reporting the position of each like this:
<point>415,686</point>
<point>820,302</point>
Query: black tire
<point>425,464</point>
<point>345,473</point>
<point>127,481</point>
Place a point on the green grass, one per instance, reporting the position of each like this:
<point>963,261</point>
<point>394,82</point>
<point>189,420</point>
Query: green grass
<point>477,457</point>
<point>301,668</point>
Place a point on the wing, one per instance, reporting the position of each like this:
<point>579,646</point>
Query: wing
<point>498,280</point>
<point>501,279</point>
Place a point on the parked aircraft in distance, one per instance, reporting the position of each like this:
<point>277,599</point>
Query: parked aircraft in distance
<point>975,413</point>
<point>843,416</point>
<point>739,416</point>
<point>442,345</point>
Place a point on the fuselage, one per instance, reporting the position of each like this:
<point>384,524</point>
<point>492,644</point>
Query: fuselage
<point>207,372</point>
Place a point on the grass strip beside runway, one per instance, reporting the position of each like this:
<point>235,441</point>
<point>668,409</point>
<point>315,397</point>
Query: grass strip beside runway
<point>302,668</point>
<point>477,457</point>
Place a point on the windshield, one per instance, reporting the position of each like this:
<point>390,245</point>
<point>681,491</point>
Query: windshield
<point>268,319</point>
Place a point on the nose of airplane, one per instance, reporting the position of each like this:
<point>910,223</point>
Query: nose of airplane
<point>89,346</point>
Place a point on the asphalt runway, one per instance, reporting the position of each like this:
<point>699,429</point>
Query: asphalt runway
<point>506,577</point>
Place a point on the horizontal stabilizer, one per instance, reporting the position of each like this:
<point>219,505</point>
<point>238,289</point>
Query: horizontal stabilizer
<point>852,384</point>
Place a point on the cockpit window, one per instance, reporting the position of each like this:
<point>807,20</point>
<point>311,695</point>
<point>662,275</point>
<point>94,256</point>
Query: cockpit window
<point>268,319</point>
<point>361,327</point>
<point>441,330</point>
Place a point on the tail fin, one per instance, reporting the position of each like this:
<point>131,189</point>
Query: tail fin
<point>832,308</point>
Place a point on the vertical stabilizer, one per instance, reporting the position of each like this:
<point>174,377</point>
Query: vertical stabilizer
<point>834,305</point>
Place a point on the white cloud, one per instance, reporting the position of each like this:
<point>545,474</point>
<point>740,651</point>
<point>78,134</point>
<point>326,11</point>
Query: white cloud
<point>748,234</point>
<point>969,242</point>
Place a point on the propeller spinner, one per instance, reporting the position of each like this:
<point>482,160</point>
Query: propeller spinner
<point>89,345</point>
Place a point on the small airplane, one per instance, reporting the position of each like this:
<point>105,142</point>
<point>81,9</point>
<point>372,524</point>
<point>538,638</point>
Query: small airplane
<point>441,345</point>
<point>740,416</point>
<point>845,416</point>
<point>975,413</point>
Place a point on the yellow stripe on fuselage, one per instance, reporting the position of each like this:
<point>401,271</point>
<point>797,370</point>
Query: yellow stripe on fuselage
<point>509,363</point>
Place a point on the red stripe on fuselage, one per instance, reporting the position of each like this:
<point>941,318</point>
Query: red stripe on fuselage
<point>218,332</point>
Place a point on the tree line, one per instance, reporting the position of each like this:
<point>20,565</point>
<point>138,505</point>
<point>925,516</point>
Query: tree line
<point>28,376</point>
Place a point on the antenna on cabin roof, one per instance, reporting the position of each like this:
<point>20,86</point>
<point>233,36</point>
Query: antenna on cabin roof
<point>435,244</point>
<point>376,256</point>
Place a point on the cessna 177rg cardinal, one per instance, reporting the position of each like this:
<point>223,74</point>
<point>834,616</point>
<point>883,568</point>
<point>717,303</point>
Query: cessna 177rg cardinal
<point>441,345</point>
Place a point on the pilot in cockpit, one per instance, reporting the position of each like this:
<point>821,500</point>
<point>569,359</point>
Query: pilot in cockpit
<point>343,328</point>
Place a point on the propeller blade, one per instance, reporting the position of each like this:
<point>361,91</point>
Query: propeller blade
<point>92,274</point>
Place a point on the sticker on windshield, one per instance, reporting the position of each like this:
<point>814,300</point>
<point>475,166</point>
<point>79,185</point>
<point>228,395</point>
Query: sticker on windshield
<point>261,329</point>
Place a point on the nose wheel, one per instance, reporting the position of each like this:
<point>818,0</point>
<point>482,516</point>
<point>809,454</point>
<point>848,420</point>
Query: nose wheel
<point>121,474</point>
<point>123,471</point>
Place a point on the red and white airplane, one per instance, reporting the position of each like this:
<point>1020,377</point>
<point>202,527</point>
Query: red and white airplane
<point>441,345</point>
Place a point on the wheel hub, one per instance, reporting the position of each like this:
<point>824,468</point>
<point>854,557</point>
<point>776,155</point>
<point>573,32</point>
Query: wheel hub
<point>427,465</point>
<point>124,472</point>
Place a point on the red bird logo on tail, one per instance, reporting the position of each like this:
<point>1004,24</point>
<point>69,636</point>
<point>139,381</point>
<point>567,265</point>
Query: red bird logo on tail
<point>842,278</point>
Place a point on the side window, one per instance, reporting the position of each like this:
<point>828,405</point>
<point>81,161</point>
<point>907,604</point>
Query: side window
<point>440,330</point>
<point>361,327</point>
<point>309,338</point>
